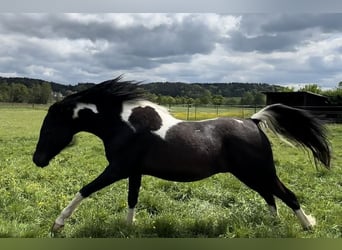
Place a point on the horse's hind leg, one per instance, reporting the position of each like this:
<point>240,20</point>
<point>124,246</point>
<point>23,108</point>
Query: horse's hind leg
<point>134,183</point>
<point>261,183</point>
<point>290,199</point>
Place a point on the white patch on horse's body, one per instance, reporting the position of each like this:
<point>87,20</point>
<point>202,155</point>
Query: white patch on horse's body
<point>80,106</point>
<point>237,120</point>
<point>307,221</point>
<point>208,132</point>
<point>210,119</point>
<point>168,120</point>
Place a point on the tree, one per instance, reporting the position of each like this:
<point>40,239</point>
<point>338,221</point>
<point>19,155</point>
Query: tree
<point>217,99</point>
<point>189,100</point>
<point>314,88</point>
<point>4,92</point>
<point>18,93</point>
<point>46,92</point>
<point>247,98</point>
<point>259,98</point>
<point>205,98</point>
<point>41,93</point>
<point>151,97</point>
<point>334,96</point>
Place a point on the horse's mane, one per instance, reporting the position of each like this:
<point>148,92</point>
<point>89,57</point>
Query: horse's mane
<point>110,90</point>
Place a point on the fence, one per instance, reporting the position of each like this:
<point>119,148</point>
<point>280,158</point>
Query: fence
<point>329,114</point>
<point>195,112</point>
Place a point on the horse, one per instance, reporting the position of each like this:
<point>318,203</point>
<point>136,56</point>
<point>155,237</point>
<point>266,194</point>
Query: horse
<point>143,138</point>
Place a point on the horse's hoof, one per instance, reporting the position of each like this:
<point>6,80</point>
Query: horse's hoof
<point>308,227</point>
<point>312,223</point>
<point>56,228</point>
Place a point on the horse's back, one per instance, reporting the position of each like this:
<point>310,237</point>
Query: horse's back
<point>196,150</point>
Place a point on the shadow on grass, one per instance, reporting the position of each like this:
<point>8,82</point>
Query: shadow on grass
<point>165,228</point>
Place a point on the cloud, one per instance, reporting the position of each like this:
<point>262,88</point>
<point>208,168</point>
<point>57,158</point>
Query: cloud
<point>326,22</point>
<point>274,48</point>
<point>262,43</point>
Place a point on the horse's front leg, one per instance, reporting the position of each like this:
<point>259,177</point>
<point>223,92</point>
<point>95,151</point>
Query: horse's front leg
<point>110,175</point>
<point>66,212</point>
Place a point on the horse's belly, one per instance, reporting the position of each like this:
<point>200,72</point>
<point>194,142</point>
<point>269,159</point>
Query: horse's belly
<point>180,163</point>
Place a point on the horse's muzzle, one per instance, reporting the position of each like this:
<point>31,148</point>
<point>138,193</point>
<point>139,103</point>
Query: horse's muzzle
<point>40,160</point>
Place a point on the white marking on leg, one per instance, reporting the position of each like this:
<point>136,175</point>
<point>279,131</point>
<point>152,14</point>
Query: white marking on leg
<point>273,210</point>
<point>130,216</point>
<point>80,106</point>
<point>67,211</point>
<point>307,221</point>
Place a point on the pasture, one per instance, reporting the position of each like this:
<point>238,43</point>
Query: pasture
<point>220,206</point>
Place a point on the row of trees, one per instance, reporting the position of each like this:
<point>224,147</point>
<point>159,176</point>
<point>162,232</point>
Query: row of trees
<point>39,93</point>
<point>209,93</point>
<point>334,95</point>
<point>24,90</point>
<point>248,98</point>
<point>252,97</point>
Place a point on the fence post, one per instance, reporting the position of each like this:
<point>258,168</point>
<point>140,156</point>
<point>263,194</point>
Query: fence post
<point>188,112</point>
<point>195,111</point>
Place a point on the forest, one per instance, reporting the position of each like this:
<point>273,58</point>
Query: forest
<point>27,90</point>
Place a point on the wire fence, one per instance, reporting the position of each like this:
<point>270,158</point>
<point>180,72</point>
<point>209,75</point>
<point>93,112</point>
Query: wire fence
<point>195,112</point>
<point>329,114</point>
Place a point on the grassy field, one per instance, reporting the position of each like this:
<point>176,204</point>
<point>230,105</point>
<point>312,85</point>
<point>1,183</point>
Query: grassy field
<point>206,112</point>
<point>31,198</point>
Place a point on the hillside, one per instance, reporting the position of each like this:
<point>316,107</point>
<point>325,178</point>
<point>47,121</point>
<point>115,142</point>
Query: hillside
<point>198,90</point>
<point>56,87</point>
<point>22,89</point>
<point>173,89</point>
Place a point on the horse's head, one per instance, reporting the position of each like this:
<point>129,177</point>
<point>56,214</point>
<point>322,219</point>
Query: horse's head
<point>60,124</point>
<point>56,133</point>
<point>82,111</point>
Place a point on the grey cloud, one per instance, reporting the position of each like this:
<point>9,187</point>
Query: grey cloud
<point>290,22</point>
<point>262,43</point>
<point>282,32</point>
<point>185,37</point>
<point>134,47</point>
<point>331,66</point>
<point>190,47</point>
<point>327,22</point>
<point>339,50</point>
<point>190,38</point>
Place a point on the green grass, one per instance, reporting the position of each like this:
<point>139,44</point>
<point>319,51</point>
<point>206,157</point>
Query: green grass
<point>220,206</point>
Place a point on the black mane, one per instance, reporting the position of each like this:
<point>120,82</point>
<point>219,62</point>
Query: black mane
<point>113,90</point>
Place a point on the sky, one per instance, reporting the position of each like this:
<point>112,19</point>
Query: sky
<point>277,48</point>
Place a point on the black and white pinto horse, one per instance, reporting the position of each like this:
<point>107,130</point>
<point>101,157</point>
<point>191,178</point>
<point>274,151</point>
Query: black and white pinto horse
<point>142,138</point>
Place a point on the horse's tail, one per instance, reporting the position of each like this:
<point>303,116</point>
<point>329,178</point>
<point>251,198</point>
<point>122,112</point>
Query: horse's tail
<point>299,126</point>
